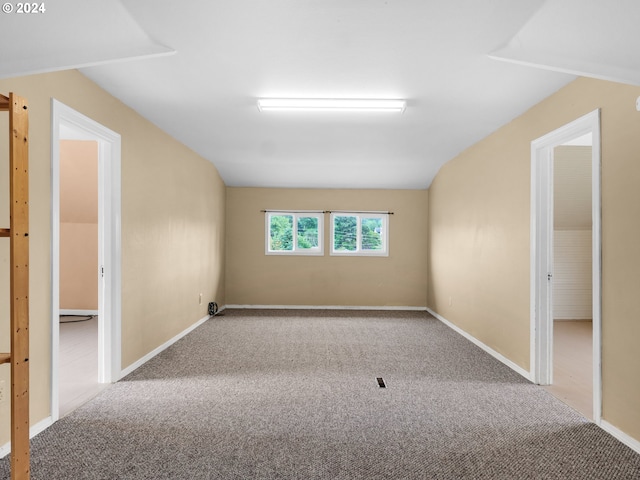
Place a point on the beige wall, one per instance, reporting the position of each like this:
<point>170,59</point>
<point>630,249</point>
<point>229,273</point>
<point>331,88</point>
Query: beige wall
<point>254,278</point>
<point>78,266</point>
<point>479,214</point>
<point>78,225</point>
<point>572,187</point>
<point>173,207</point>
<point>173,236</point>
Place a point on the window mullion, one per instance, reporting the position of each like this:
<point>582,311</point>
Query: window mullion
<point>295,232</point>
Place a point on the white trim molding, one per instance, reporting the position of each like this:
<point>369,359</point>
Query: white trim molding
<point>33,431</point>
<point>327,307</point>
<point>317,251</point>
<point>68,123</point>
<point>541,253</point>
<point>77,312</point>
<point>360,251</point>
<point>48,421</point>
<point>629,441</point>
<point>126,371</point>
<point>498,356</point>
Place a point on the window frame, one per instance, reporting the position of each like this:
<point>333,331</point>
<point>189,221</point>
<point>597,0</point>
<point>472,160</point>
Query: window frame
<point>359,252</point>
<point>314,251</point>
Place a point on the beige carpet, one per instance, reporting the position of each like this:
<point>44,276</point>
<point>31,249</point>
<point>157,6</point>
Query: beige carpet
<point>293,395</point>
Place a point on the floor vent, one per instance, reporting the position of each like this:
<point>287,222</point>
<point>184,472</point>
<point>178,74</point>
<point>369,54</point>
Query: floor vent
<point>381,382</point>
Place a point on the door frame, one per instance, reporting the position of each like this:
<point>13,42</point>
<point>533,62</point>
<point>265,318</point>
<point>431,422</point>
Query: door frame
<point>542,251</point>
<point>109,249</point>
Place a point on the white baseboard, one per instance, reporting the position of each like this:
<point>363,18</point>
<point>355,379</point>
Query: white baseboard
<point>606,426</point>
<point>629,441</point>
<point>572,319</point>
<point>162,347</point>
<point>489,350</point>
<point>33,431</point>
<point>47,422</point>
<point>5,449</point>
<point>78,312</point>
<point>327,307</point>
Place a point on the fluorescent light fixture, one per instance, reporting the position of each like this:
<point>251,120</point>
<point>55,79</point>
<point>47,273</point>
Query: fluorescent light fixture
<point>330,105</point>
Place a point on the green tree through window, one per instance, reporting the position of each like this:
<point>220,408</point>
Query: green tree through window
<point>307,232</point>
<point>281,232</point>
<point>371,233</point>
<point>294,233</point>
<point>345,233</point>
<point>359,234</point>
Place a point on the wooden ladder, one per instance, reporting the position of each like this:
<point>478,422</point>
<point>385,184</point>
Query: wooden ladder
<point>18,234</point>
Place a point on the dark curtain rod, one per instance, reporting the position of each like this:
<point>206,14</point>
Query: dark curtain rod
<point>293,211</point>
<point>325,211</point>
<point>355,211</point>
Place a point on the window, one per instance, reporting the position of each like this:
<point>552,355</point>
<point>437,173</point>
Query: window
<point>360,234</point>
<point>294,233</point>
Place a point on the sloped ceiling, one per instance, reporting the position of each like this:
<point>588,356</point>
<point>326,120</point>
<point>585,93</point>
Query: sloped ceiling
<point>598,39</point>
<point>434,54</point>
<point>70,34</point>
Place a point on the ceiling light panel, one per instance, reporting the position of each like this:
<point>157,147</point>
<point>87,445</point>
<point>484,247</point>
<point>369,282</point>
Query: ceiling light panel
<point>330,105</point>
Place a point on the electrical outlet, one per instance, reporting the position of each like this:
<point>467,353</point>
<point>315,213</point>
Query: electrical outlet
<point>2,395</point>
<point>200,300</point>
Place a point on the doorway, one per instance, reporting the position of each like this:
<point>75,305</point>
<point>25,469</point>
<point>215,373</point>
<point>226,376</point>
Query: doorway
<point>79,271</point>
<point>67,124</point>
<point>551,277</point>
<point>572,275</point>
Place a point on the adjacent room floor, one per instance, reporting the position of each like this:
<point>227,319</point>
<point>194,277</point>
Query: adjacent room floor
<point>573,364</point>
<point>78,381</point>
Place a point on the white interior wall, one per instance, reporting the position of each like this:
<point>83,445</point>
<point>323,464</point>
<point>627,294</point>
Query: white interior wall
<point>572,298</point>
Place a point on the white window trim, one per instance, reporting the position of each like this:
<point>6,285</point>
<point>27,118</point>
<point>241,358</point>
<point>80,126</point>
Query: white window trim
<point>359,252</point>
<point>315,251</point>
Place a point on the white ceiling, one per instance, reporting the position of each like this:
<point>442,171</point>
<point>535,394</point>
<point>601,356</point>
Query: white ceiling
<point>196,67</point>
<point>70,34</point>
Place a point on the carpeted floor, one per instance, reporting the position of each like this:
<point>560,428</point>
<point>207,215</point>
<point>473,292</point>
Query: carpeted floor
<point>293,395</point>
